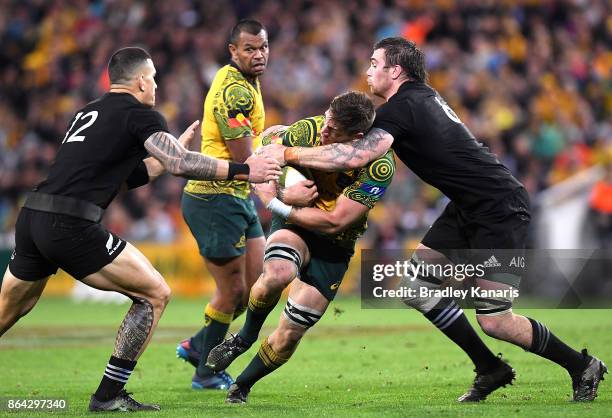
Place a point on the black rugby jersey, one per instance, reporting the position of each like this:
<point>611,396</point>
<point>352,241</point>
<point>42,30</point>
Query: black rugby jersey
<point>431,140</point>
<point>102,148</point>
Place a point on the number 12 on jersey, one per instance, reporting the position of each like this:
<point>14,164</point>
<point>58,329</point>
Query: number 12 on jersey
<point>92,116</point>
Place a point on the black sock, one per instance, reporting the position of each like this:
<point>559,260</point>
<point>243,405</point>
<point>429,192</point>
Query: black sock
<point>256,314</point>
<point>196,340</point>
<point>115,377</point>
<point>265,362</point>
<point>449,318</point>
<point>240,309</point>
<point>217,324</point>
<point>545,344</point>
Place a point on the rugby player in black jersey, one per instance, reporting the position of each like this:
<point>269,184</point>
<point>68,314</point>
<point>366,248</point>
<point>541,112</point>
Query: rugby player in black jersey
<point>489,210</point>
<point>104,149</point>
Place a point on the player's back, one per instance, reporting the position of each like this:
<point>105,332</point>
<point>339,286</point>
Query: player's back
<point>101,148</point>
<point>432,141</point>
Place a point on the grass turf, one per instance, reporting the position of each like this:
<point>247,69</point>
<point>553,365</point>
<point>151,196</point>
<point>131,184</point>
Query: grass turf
<point>354,362</point>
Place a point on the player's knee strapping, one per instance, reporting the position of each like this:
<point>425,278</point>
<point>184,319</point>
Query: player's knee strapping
<point>283,252</point>
<point>421,281</point>
<point>493,306</point>
<point>301,315</point>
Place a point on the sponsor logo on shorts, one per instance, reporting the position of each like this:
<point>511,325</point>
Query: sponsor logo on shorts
<point>492,262</point>
<point>109,244</point>
<point>241,243</point>
<point>13,255</point>
<point>335,286</point>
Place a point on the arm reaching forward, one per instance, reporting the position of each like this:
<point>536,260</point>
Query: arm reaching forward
<point>154,167</point>
<point>179,161</point>
<point>345,213</point>
<point>334,157</point>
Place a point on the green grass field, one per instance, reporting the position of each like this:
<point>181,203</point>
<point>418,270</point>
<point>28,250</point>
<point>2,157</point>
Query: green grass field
<point>354,362</point>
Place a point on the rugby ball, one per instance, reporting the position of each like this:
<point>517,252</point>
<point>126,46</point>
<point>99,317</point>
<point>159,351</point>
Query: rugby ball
<point>293,175</point>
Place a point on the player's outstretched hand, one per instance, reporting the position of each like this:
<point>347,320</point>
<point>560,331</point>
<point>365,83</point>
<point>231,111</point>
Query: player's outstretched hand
<point>187,136</point>
<point>301,194</point>
<point>276,151</point>
<point>262,169</point>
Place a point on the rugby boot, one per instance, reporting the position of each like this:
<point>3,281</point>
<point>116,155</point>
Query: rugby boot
<point>123,402</point>
<point>221,381</point>
<point>221,356</point>
<point>485,383</point>
<point>586,382</point>
<point>237,394</point>
<point>186,351</point>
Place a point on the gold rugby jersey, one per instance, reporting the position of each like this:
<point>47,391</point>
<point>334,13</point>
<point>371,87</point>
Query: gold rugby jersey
<point>233,109</point>
<point>365,185</point>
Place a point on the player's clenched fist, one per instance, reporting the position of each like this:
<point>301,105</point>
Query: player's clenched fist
<point>262,168</point>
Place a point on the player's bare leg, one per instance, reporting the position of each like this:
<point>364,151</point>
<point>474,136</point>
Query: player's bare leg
<point>448,317</point>
<point>233,278</point>
<point>17,298</point>
<point>586,371</point>
<point>254,269</point>
<point>134,276</point>
<point>285,253</point>
<point>230,288</point>
<point>305,306</point>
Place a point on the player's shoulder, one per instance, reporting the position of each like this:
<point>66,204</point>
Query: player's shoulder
<point>233,89</point>
<point>313,122</point>
<point>117,101</point>
<point>231,77</point>
<point>121,107</point>
<point>381,169</point>
<point>409,94</point>
<point>141,115</point>
<point>305,132</point>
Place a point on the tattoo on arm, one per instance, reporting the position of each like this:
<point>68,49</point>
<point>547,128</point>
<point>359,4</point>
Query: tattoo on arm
<point>180,161</point>
<point>346,156</point>
<point>134,330</point>
<point>280,193</point>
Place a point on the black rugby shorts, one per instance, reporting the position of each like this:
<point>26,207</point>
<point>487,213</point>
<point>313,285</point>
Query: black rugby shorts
<point>46,241</point>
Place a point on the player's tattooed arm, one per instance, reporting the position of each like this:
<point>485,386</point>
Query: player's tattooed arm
<point>179,161</point>
<point>154,167</point>
<point>339,157</point>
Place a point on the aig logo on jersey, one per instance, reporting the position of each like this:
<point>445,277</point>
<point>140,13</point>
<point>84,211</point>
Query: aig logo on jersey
<point>109,244</point>
<point>517,262</point>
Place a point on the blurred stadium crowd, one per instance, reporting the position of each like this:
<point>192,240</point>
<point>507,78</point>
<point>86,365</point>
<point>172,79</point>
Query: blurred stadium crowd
<point>529,78</point>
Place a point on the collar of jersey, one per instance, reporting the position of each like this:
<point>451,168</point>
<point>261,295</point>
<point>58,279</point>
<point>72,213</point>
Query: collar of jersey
<point>235,66</point>
<point>408,84</point>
